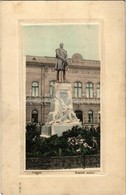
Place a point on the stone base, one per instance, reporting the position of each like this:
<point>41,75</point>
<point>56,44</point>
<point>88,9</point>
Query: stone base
<point>56,128</point>
<point>45,131</point>
<point>60,128</point>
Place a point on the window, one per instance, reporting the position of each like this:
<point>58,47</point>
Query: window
<point>35,88</point>
<point>79,115</point>
<point>51,87</point>
<point>98,90</point>
<point>77,89</point>
<point>34,116</point>
<point>89,90</point>
<point>90,116</point>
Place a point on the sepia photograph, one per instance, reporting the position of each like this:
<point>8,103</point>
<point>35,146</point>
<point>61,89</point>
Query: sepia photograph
<point>62,96</point>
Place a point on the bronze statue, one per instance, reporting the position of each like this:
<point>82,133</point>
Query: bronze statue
<point>61,65</point>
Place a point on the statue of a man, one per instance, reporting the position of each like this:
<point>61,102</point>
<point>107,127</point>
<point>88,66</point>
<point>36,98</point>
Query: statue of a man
<point>61,65</point>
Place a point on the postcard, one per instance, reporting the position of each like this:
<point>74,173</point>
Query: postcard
<point>63,98</point>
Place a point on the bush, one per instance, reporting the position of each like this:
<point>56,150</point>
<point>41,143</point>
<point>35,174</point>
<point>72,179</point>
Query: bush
<point>73,142</point>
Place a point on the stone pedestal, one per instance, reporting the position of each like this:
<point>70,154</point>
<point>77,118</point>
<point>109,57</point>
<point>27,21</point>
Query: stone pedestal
<point>46,131</point>
<point>61,116</point>
<point>56,128</point>
<point>60,128</point>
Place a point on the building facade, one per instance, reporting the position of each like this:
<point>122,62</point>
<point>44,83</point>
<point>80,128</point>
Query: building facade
<point>84,76</point>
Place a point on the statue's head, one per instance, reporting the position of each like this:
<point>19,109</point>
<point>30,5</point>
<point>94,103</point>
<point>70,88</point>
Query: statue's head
<point>61,45</point>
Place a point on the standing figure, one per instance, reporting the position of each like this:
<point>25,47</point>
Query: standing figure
<point>61,65</point>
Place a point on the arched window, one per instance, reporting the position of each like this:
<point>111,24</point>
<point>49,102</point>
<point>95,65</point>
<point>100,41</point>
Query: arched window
<point>89,90</point>
<point>35,88</point>
<point>79,115</point>
<point>51,87</point>
<point>90,116</point>
<point>35,116</point>
<point>77,89</point>
<point>98,90</point>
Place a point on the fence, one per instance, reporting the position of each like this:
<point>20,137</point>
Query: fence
<point>64,162</point>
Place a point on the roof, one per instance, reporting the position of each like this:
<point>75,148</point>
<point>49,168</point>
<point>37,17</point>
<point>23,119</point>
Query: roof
<point>76,59</point>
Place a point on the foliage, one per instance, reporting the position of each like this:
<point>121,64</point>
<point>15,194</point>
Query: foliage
<point>72,142</point>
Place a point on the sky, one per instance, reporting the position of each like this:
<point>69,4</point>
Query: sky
<point>42,40</point>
